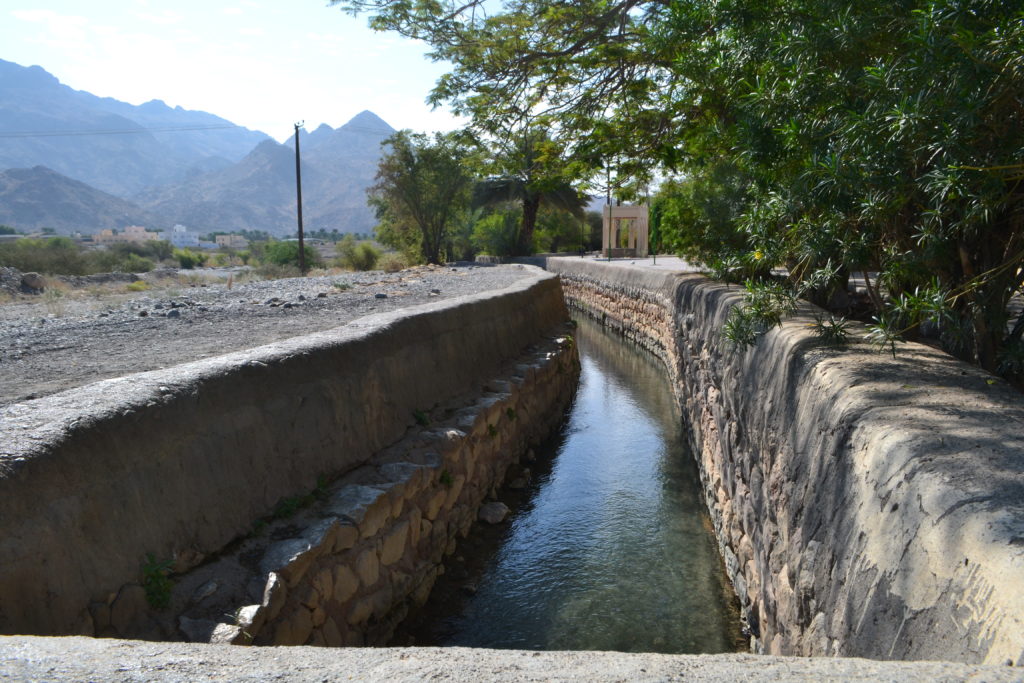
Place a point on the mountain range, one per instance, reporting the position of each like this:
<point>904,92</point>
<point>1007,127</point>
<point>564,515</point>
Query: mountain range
<point>78,162</point>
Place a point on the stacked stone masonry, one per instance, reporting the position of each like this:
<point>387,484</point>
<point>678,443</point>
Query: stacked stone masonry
<point>347,571</point>
<point>865,505</point>
<point>105,485</point>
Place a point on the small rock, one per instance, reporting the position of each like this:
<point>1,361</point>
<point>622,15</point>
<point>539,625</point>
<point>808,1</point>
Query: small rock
<point>287,305</point>
<point>196,630</point>
<point>205,591</point>
<point>33,281</point>
<point>469,589</point>
<point>435,291</point>
<point>381,296</point>
<point>174,313</point>
<point>302,297</point>
<point>158,306</point>
<point>518,484</point>
<point>321,295</point>
<point>143,313</point>
<point>493,513</point>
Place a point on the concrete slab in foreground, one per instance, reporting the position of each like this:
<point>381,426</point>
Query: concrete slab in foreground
<point>85,659</point>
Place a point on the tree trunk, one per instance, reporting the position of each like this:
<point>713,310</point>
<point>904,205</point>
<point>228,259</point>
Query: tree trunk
<point>531,204</point>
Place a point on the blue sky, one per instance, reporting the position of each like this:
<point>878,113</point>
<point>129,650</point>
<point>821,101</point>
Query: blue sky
<point>263,64</point>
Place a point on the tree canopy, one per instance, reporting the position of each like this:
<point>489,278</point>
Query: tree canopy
<point>422,185</point>
<point>882,138</point>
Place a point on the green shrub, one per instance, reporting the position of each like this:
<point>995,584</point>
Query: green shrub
<point>357,255</point>
<point>188,259</point>
<point>54,256</point>
<point>392,262</point>
<point>136,264</point>
<point>156,581</point>
<point>287,253</point>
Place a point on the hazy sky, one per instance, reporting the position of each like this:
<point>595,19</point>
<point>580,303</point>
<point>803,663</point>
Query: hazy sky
<point>263,64</point>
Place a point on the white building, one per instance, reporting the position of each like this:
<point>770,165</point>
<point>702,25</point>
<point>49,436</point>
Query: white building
<point>182,237</point>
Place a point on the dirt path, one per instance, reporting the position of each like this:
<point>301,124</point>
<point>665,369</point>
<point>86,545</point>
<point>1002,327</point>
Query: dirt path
<point>50,343</point>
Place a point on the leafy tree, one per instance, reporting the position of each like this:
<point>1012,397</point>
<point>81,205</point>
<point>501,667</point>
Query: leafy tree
<point>532,173</point>
<point>422,185</point>
<point>497,234</point>
<point>287,254</point>
<point>831,137</point>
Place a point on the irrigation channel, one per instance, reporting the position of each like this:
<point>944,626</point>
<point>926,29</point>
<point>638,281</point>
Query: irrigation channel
<point>609,548</point>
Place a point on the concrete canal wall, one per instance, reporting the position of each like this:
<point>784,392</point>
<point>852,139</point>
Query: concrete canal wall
<point>865,505</point>
<point>103,485</point>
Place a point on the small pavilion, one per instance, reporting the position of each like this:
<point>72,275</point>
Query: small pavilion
<point>625,224</point>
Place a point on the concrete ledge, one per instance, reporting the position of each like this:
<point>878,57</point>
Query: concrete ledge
<point>179,462</point>
<point>85,659</point>
<point>865,505</point>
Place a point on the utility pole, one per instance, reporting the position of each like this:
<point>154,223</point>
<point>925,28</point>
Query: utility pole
<point>298,199</point>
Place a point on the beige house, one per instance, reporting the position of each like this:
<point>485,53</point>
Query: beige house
<point>231,241</point>
<point>133,233</point>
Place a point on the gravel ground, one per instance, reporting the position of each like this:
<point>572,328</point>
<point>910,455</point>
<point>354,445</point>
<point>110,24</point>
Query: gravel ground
<point>49,343</point>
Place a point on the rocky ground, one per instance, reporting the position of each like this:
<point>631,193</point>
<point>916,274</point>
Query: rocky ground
<point>82,330</point>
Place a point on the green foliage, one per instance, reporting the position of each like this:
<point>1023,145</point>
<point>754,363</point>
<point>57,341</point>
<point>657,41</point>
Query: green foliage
<point>134,263</point>
<point>54,256</point>
<point>421,418</point>
<point>529,170</point>
<point>156,581</point>
<point>188,259</point>
<point>765,303</point>
<point>422,186</point>
<point>558,230</point>
<point>287,254</point>
<point>62,256</point>
<point>498,233</point>
<point>138,286</point>
<point>7,230</point>
<point>392,262</point>
<point>510,413</point>
<point>446,479</point>
<point>822,135</point>
<point>832,330</point>
<point>357,255</point>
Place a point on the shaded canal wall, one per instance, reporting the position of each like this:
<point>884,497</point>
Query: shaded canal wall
<point>178,463</point>
<point>865,505</point>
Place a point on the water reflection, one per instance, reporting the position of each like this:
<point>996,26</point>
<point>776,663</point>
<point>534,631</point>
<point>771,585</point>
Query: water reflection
<point>613,551</point>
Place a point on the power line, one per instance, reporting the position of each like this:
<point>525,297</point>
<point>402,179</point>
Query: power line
<point>131,131</point>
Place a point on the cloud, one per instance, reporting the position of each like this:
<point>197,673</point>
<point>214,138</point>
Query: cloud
<point>161,18</point>
<point>58,29</point>
<point>251,31</point>
<point>232,11</point>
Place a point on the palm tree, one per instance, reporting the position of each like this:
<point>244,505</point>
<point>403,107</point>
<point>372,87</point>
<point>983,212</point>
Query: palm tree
<point>531,173</point>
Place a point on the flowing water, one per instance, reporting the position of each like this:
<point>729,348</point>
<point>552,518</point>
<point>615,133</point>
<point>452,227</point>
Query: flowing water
<point>611,548</point>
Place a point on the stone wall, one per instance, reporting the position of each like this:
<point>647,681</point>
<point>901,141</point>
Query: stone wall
<point>178,463</point>
<point>347,570</point>
<point>865,505</point>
